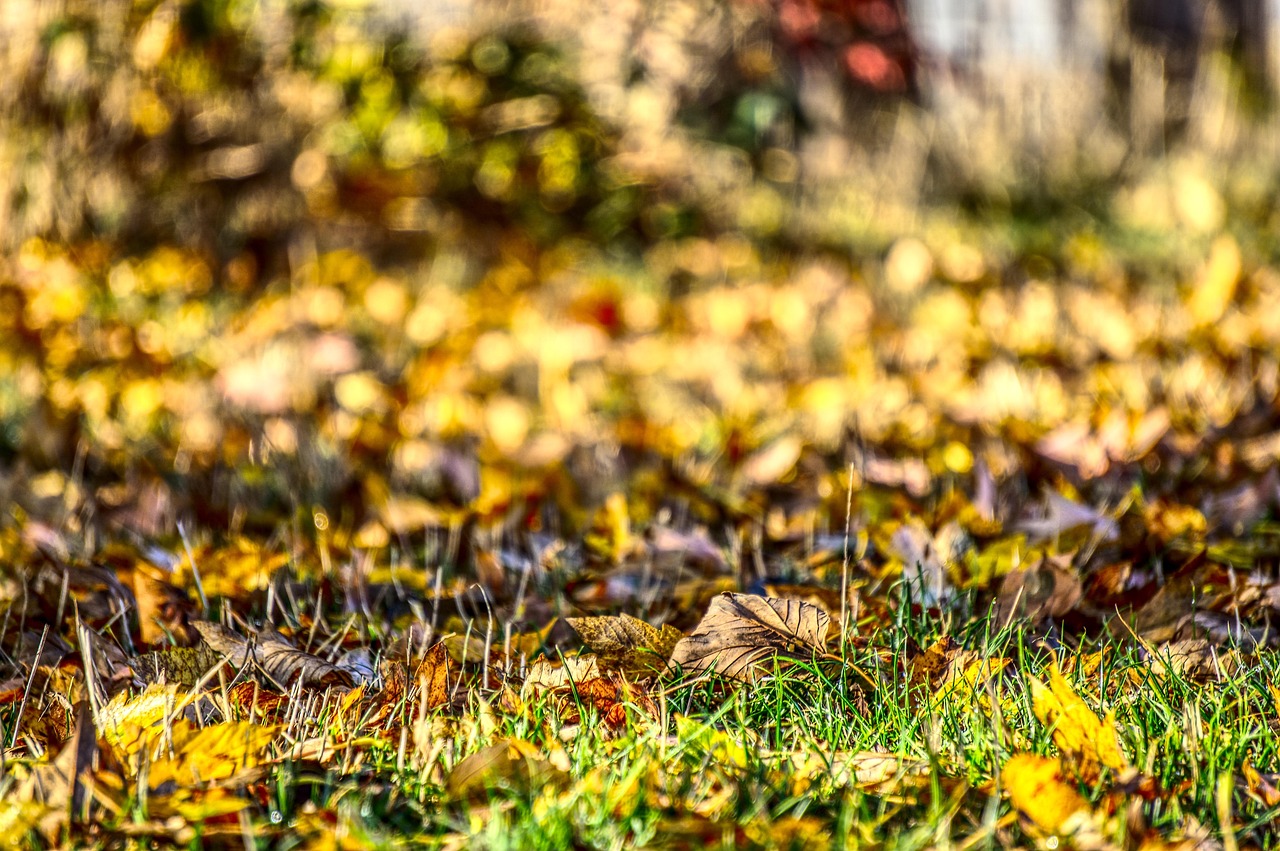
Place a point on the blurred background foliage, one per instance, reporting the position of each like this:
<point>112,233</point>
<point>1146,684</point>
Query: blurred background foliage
<point>268,260</point>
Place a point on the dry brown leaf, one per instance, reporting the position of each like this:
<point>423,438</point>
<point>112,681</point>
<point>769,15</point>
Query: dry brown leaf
<point>276,658</point>
<point>740,633</point>
<point>163,608</point>
<point>182,665</point>
<point>870,770</point>
<point>628,644</point>
<point>1264,787</point>
<point>433,676</point>
<point>1048,589</point>
<point>547,674</point>
<point>63,784</point>
<point>929,668</point>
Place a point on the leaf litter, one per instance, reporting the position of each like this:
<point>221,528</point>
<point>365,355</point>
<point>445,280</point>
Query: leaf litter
<point>722,539</point>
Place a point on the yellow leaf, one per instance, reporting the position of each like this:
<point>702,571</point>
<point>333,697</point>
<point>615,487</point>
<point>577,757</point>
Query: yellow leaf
<point>212,804</point>
<point>19,820</point>
<point>130,724</point>
<point>1077,730</point>
<point>719,746</point>
<point>1217,285</point>
<point>211,754</point>
<point>1036,789</point>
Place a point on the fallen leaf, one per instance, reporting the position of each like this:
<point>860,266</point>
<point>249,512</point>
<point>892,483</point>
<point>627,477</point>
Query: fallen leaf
<point>628,644</point>
<point>181,665</point>
<point>870,770</point>
<point>433,676</point>
<point>64,783</point>
<point>741,633</point>
<point>1077,731</point>
<point>127,723</point>
<point>190,755</point>
<point>511,764</point>
<point>276,658</point>
<point>1036,788</point>
<point>1061,515</point>
<point>1048,589</point>
<point>548,674</point>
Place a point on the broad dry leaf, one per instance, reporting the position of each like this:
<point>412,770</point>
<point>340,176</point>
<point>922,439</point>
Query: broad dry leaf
<point>279,660</point>
<point>740,633</point>
<point>65,783</point>
<point>930,667</point>
<point>1048,589</point>
<point>433,676</point>
<point>628,644</point>
<point>1036,788</point>
<point>180,665</point>
<point>547,674</point>
<point>946,672</point>
<point>607,696</point>
<point>1265,788</point>
<point>1077,731</point>
<point>1060,517</point>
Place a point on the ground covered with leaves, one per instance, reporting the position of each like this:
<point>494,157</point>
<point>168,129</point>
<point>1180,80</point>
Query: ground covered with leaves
<point>398,445</point>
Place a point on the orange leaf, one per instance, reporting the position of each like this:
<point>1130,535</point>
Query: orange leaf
<point>433,676</point>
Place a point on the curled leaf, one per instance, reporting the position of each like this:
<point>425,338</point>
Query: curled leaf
<point>280,661</point>
<point>741,633</point>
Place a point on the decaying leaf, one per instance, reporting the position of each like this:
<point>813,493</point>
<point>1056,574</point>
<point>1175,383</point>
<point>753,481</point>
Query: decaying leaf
<point>741,633</point>
<point>187,755</point>
<point>1265,787</point>
<point>930,667</point>
<point>433,676</point>
<point>608,697</point>
<point>181,665</point>
<point>274,657</point>
<point>64,784</point>
<point>628,644</point>
<point>126,721</point>
<point>871,770</point>
<point>547,674</point>
<point>1061,516</point>
<point>946,672</point>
